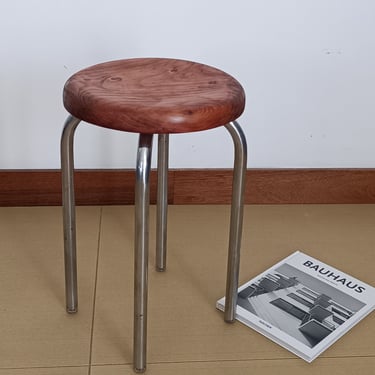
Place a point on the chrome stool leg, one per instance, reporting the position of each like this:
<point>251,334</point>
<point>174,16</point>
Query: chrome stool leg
<point>162,202</point>
<point>142,202</point>
<point>238,188</point>
<point>69,219</point>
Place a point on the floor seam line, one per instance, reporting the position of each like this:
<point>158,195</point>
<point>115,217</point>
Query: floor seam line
<point>43,367</point>
<point>230,360</point>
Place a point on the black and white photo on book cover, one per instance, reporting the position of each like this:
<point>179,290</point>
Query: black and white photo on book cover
<point>303,304</point>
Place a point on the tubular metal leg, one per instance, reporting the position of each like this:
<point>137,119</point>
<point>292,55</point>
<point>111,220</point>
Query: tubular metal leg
<point>239,175</point>
<point>142,199</point>
<point>162,202</point>
<point>69,220</point>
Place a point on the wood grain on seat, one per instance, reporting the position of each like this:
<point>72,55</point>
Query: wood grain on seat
<point>152,95</point>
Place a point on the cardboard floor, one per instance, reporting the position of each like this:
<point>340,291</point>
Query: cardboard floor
<point>187,335</point>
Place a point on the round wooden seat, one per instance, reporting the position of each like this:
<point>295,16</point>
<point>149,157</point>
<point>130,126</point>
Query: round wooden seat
<point>154,96</point>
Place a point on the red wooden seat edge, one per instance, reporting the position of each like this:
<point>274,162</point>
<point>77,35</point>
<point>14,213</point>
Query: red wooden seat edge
<point>154,96</point>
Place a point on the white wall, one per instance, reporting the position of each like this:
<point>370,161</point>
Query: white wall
<point>307,67</point>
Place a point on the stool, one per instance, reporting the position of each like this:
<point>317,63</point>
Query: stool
<point>152,96</point>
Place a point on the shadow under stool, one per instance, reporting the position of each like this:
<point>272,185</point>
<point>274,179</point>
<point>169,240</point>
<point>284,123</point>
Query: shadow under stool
<point>152,96</point>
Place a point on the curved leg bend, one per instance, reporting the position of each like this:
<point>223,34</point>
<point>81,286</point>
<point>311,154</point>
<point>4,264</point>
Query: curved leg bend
<point>69,220</point>
<point>238,188</point>
<point>142,202</point>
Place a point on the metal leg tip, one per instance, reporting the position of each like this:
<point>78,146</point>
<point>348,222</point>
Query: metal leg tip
<point>139,371</point>
<point>229,320</point>
<point>72,311</point>
<point>160,269</point>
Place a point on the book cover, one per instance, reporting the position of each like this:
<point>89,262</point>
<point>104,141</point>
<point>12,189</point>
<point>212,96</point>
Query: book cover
<point>303,304</point>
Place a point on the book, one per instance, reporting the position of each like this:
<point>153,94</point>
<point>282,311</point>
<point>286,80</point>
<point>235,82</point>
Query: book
<point>303,304</point>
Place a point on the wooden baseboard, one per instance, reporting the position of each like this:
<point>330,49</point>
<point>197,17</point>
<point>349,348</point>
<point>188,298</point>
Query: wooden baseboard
<point>197,186</point>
